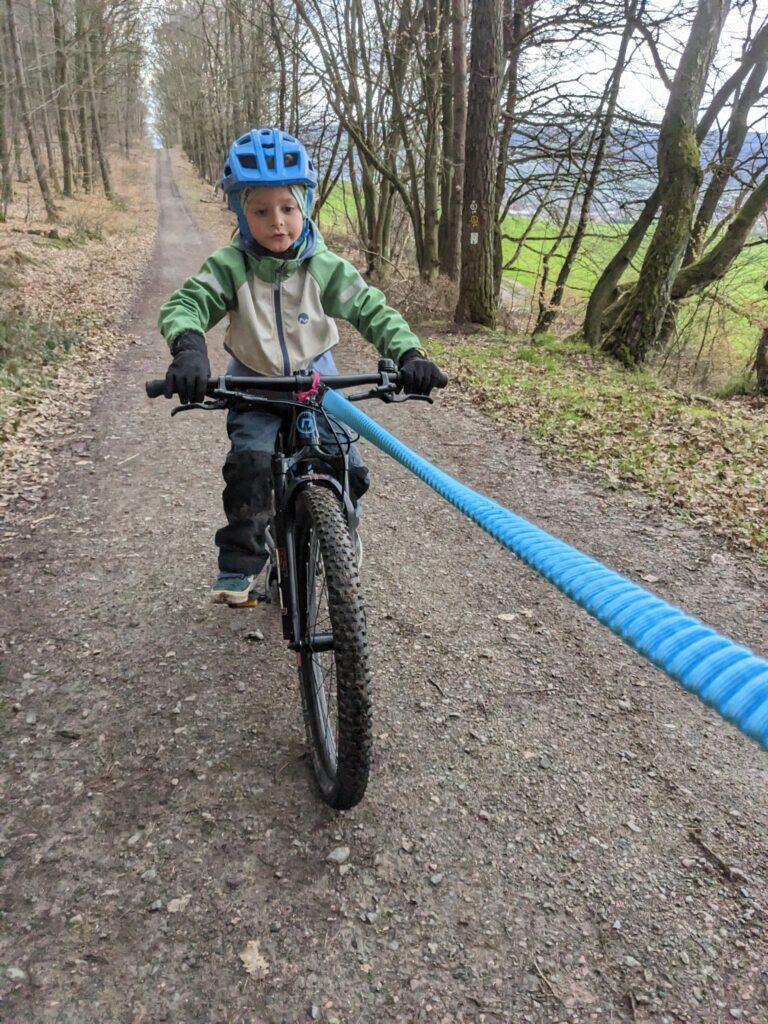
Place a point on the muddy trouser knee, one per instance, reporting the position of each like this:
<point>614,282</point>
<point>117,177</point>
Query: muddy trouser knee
<point>252,433</point>
<point>246,496</point>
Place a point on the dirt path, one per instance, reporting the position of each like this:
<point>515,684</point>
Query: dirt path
<point>554,831</point>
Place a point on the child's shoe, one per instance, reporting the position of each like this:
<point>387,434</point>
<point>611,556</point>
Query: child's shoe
<point>232,588</point>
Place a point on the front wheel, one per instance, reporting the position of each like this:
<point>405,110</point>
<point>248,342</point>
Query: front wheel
<point>333,649</point>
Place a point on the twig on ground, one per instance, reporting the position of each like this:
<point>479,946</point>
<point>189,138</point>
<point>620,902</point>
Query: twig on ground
<point>730,872</point>
<point>547,982</point>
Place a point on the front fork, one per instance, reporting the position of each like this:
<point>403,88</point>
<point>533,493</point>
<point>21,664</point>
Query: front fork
<point>281,535</point>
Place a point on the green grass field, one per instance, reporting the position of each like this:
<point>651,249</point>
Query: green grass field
<point>729,322</point>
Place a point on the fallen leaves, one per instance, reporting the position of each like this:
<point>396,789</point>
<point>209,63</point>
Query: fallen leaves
<point>253,960</point>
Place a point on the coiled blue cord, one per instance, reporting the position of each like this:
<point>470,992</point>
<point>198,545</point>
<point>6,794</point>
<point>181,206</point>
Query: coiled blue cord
<point>728,677</point>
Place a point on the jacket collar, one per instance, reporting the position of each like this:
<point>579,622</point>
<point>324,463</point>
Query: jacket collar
<point>267,267</point>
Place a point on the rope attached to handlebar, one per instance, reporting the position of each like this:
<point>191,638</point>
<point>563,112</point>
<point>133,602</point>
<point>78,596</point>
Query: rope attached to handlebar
<point>728,677</point>
<point>304,396</point>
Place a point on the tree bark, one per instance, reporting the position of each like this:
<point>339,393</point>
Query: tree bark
<point>62,98</point>
<point>26,115</point>
<point>84,140</point>
<point>98,141</point>
<point>761,363</point>
<point>477,292</point>
<point>737,133</point>
<point>6,183</point>
<point>455,120</point>
<point>637,327</point>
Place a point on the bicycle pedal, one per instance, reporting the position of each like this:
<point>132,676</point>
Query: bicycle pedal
<point>254,600</point>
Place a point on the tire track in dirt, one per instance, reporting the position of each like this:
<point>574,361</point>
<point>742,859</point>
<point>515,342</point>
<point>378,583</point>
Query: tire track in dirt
<point>534,843</point>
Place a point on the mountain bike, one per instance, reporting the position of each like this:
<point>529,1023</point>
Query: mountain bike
<point>313,563</point>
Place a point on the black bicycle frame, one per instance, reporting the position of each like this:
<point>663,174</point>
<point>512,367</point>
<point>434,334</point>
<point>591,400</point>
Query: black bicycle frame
<point>302,463</point>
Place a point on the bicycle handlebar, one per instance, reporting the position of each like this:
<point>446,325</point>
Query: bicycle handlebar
<point>298,382</point>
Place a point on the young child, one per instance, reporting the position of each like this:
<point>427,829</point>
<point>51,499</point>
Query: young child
<point>280,286</point>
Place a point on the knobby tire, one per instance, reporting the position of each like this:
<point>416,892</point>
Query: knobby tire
<point>334,683</point>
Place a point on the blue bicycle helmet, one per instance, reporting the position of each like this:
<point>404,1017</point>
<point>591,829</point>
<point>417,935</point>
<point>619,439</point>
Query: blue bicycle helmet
<point>265,156</point>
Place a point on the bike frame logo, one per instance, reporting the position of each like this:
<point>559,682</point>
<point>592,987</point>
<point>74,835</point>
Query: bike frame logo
<point>306,423</point>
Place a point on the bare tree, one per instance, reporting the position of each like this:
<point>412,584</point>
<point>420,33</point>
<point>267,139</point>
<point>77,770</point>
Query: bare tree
<point>477,291</point>
<point>41,172</point>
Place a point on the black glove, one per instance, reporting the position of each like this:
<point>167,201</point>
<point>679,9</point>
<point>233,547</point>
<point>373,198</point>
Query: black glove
<point>188,374</point>
<point>418,375</point>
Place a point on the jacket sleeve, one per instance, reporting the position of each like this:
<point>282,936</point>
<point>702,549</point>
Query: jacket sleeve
<point>345,295</point>
<point>202,300</point>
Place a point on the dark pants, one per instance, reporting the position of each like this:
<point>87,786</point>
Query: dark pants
<point>252,433</point>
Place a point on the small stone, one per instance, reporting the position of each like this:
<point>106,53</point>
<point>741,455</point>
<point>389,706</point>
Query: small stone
<point>688,862</point>
<point>339,856</point>
<point>31,718</point>
<point>344,868</point>
<point>16,974</point>
<point>76,919</point>
<point>633,826</point>
<point>134,839</point>
<point>314,1012</point>
<point>437,878</point>
<point>735,1012</point>
<point>176,906</point>
<point>157,905</point>
<point>149,875</point>
<point>406,845</point>
<point>625,704</point>
<point>255,634</point>
<point>630,961</point>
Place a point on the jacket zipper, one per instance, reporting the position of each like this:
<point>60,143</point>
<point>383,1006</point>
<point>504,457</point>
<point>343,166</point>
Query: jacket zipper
<point>279,324</point>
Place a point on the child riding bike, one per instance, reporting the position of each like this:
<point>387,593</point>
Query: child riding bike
<point>280,286</point>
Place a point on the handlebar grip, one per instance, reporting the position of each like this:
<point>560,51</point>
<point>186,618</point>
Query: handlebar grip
<point>443,381</point>
<point>155,388</point>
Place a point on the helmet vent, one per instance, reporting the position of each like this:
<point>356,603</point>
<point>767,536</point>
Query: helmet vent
<point>249,161</point>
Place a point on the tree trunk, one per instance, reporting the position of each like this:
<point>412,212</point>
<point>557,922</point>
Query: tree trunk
<point>716,261</point>
<point>62,98</point>
<point>761,363</point>
<point>737,133</point>
<point>433,32</point>
<point>43,108</point>
<point>98,142</point>
<point>637,328</point>
<point>514,31</point>
<point>456,123</point>
<point>84,139</point>
<point>26,115</point>
<point>477,291</point>
<point>6,183</point>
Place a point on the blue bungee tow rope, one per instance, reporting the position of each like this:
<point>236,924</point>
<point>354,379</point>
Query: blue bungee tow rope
<point>728,677</point>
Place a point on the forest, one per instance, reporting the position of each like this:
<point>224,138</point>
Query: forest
<point>603,164</point>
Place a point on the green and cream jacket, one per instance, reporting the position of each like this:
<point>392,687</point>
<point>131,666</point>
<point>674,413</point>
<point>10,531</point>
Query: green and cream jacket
<point>281,311</point>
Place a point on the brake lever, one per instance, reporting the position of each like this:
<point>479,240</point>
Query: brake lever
<point>205,406</point>
<point>385,396</point>
<point>409,398</point>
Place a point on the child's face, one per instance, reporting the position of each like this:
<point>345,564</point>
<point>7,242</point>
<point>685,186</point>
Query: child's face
<point>274,217</point>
